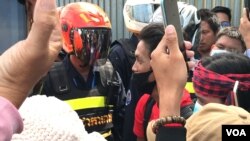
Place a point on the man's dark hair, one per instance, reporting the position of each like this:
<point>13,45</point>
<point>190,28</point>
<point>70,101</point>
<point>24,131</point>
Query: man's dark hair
<point>152,34</point>
<point>209,17</point>
<point>223,9</point>
<point>227,63</point>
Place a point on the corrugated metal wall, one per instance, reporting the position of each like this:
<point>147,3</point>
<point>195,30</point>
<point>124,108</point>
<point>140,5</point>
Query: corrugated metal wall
<point>235,6</point>
<point>114,10</point>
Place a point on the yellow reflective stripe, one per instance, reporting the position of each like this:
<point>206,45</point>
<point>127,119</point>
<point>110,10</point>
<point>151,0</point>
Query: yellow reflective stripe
<point>88,102</point>
<point>189,87</point>
<point>107,134</point>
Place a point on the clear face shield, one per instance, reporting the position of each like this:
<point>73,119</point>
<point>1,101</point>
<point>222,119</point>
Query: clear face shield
<point>91,44</point>
<point>13,25</point>
<point>142,13</point>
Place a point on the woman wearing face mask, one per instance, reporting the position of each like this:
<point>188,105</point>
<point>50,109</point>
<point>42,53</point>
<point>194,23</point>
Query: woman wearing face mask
<point>143,84</point>
<point>218,79</point>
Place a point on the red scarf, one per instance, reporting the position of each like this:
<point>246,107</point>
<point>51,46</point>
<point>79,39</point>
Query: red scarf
<point>212,84</point>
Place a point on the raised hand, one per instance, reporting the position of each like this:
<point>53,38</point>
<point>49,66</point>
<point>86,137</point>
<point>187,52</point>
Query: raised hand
<point>170,72</point>
<point>245,28</point>
<point>22,65</point>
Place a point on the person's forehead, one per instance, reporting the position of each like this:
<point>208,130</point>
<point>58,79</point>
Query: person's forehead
<point>142,46</point>
<point>204,24</point>
<point>229,42</point>
<point>141,49</point>
<point>222,16</point>
<point>224,38</point>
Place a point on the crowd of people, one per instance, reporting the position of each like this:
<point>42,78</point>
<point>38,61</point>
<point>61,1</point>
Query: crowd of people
<point>68,81</point>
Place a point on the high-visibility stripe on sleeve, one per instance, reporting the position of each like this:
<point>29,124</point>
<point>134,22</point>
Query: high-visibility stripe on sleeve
<point>107,134</point>
<point>88,102</point>
<point>189,87</point>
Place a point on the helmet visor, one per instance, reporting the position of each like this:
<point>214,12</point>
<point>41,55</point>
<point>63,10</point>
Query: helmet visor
<point>142,13</point>
<point>91,44</point>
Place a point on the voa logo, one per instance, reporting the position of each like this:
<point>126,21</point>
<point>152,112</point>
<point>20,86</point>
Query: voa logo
<point>236,132</point>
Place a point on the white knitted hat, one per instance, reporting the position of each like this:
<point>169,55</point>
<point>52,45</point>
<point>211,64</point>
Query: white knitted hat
<point>50,119</point>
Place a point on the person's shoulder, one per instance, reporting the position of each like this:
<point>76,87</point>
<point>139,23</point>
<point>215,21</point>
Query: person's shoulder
<point>115,47</point>
<point>116,52</point>
<point>143,100</point>
<point>140,106</point>
<point>119,43</point>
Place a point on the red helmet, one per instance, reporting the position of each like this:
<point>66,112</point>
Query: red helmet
<point>86,31</point>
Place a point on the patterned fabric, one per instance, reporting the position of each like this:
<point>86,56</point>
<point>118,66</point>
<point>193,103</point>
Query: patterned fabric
<point>50,119</point>
<point>212,84</point>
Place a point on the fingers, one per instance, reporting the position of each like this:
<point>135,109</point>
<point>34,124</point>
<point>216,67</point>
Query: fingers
<point>162,46</point>
<point>188,45</point>
<point>169,43</point>
<point>243,19</point>
<point>55,42</point>
<point>45,13</point>
<point>45,20</point>
<point>245,27</point>
<point>191,64</point>
<point>244,13</point>
<point>189,53</point>
<point>46,4</point>
<point>171,39</point>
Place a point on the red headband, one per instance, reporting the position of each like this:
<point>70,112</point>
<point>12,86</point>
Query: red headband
<point>212,84</point>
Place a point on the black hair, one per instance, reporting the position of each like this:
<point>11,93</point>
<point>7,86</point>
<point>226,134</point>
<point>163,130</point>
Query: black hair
<point>207,16</point>
<point>226,63</point>
<point>223,9</point>
<point>152,35</point>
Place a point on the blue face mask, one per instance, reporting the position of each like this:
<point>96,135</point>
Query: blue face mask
<point>197,107</point>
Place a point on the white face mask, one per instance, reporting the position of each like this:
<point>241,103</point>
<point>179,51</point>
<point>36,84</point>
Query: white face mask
<point>197,107</point>
<point>217,51</point>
